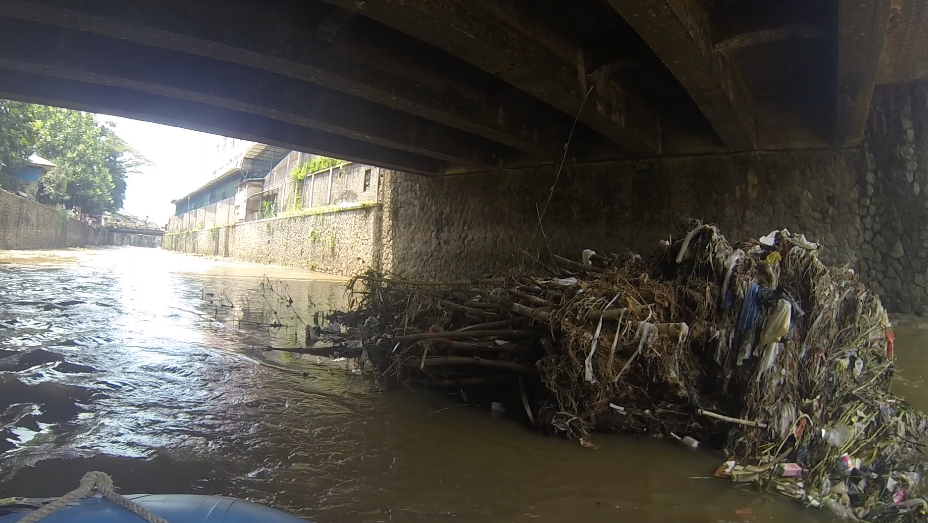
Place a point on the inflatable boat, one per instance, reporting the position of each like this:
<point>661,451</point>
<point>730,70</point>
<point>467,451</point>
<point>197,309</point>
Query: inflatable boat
<point>175,508</point>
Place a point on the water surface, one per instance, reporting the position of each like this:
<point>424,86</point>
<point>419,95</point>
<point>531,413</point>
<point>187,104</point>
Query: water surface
<point>150,365</point>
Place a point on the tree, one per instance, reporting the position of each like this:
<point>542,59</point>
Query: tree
<point>17,135</point>
<point>92,162</point>
<point>121,160</point>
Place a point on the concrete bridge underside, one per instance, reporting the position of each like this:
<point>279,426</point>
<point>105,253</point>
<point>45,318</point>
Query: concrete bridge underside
<point>454,86</point>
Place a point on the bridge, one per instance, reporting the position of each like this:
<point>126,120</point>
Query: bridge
<point>136,230</point>
<point>439,87</point>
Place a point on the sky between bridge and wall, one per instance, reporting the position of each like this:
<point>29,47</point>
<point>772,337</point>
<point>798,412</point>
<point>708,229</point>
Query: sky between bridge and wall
<point>182,160</point>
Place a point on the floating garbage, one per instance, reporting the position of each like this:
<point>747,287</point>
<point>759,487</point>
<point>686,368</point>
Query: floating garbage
<point>756,350</point>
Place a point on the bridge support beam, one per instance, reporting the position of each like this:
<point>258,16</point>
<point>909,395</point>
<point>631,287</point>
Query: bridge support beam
<point>354,56</point>
<point>497,38</point>
<point>107,61</point>
<point>39,85</point>
<point>678,32</point>
<point>862,26</point>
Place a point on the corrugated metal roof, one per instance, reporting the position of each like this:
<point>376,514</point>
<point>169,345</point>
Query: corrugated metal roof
<point>37,161</point>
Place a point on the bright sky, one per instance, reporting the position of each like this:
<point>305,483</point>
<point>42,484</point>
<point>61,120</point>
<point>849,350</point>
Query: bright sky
<point>182,160</point>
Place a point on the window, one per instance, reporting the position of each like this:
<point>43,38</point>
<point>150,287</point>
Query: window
<point>367,179</point>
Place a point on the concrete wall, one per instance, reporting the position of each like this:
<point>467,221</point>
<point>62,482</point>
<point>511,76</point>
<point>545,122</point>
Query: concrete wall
<point>336,227</point>
<point>339,241</point>
<point>472,225</point>
<point>28,225</point>
<point>868,206</point>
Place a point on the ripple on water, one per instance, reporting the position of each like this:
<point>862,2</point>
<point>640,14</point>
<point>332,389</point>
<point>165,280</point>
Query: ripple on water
<point>159,379</point>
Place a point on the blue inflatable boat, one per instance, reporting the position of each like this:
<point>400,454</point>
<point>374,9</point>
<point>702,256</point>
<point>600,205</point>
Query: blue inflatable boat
<point>176,508</point>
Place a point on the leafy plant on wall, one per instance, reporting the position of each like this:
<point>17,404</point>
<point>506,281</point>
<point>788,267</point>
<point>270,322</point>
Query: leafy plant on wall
<point>314,165</point>
<point>267,209</point>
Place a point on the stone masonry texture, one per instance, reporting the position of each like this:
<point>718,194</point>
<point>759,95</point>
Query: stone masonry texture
<point>28,225</point>
<point>867,206</point>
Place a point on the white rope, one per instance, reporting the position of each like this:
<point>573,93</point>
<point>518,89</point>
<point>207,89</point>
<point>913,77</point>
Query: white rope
<point>91,481</point>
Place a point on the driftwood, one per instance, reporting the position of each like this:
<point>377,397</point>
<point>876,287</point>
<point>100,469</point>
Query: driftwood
<point>470,310</point>
<point>489,346</point>
<point>491,325</point>
<point>720,417</point>
<point>464,360</point>
<point>577,266</point>
<point>518,308</point>
<point>534,300</point>
<point>438,283</point>
<point>470,382</point>
<point>328,352</point>
<point>482,305</point>
<point>462,335</point>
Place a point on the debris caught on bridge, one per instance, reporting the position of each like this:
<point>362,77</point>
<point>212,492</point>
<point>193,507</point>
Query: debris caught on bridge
<point>758,350</point>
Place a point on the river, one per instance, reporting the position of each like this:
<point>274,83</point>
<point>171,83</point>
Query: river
<point>150,366</point>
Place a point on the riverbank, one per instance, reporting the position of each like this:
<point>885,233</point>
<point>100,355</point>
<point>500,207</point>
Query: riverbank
<point>25,224</point>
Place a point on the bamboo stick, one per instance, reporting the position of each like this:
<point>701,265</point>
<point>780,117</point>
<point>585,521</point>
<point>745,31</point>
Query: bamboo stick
<point>469,310</point>
<point>518,308</point>
<point>482,305</point>
<point>464,382</point>
<point>448,283</point>
<point>613,314</point>
<point>481,362</point>
<point>720,417</point>
<point>483,346</point>
<point>461,335</point>
<point>491,324</point>
<point>577,266</point>
<point>326,351</point>
<point>534,300</point>
<point>528,408</point>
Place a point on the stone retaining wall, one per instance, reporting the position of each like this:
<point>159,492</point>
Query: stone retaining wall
<point>465,226</point>
<point>868,206</point>
<point>333,240</point>
<point>26,224</point>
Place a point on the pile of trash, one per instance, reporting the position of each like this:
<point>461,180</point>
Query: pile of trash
<point>757,350</point>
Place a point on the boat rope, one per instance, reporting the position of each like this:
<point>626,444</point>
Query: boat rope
<point>102,483</point>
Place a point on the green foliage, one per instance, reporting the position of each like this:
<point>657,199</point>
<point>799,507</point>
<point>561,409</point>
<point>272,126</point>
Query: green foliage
<point>121,160</point>
<point>17,135</point>
<point>267,209</point>
<point>313,236</point>
<point>92,163</point>
<point>331,241</point>
<point>73,141</point>
<point>9,183</point>
<point>314,165</point>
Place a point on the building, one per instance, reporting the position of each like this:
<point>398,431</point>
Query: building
<point>29,175</point>
<point>271,205</point>
<point>224,199</point>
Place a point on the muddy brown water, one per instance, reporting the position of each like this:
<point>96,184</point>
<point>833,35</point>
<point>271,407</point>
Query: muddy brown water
<point>149,365</point>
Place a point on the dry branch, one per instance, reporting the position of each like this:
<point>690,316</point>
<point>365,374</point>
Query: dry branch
<point>459,335</point>
<point>577,266</point>
<point>482,362</point>
<point>518,308</point>
<point>720,417</point>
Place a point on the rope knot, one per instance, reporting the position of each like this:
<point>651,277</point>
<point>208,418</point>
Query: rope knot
<point>100,481</point>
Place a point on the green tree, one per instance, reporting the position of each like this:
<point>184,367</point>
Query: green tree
<point>17,135</point>
<point>92,162</point>
<point>73,141</point>
<point>121,160</point>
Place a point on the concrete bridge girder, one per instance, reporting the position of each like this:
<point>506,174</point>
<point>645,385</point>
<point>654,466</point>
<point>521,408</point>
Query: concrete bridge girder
<point>469,85</point>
